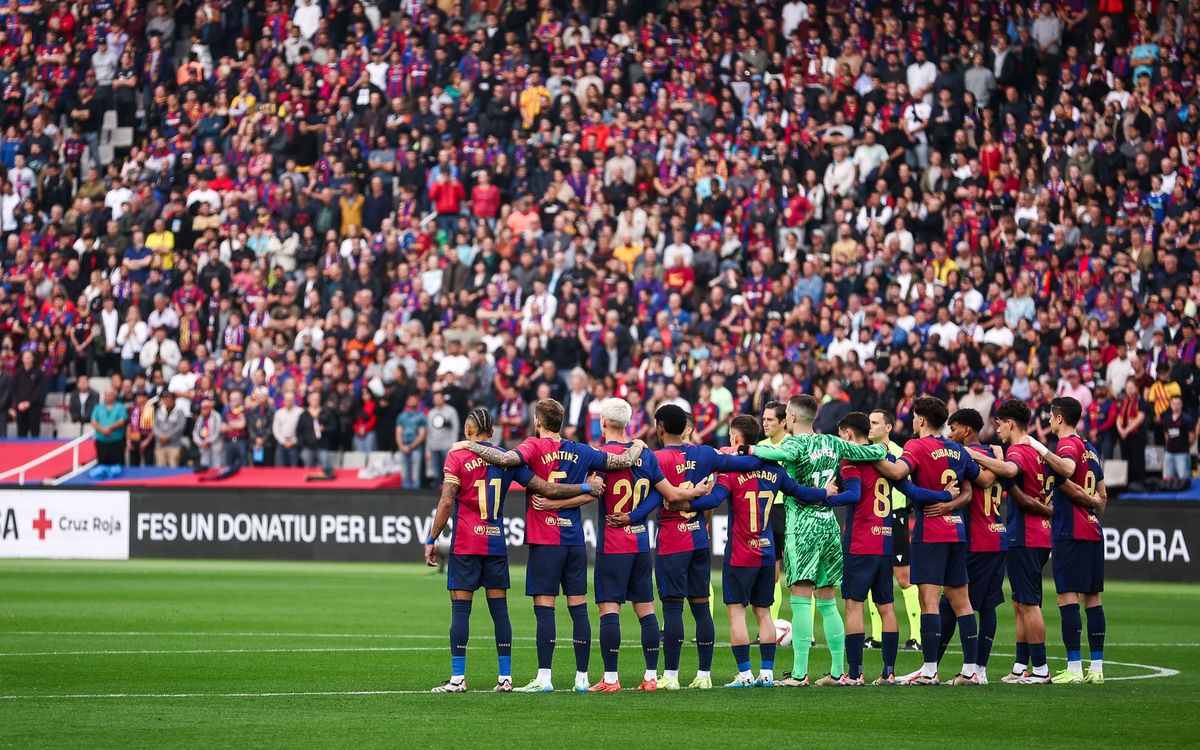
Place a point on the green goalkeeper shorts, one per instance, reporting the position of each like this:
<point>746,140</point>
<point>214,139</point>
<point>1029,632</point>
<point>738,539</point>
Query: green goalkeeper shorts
<point>814,553</point>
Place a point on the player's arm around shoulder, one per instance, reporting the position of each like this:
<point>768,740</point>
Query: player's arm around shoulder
<point>1006,468</point>
<point>797,492</point>
<point>491,454</point>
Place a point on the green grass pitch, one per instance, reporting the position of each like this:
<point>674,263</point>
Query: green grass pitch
<point>153,654</point>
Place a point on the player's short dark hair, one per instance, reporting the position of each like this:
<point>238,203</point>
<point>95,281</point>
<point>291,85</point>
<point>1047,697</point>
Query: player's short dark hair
<point>672,418</point>
<point>482,419</point>
<point>1068,408</point>
<point>968,418</point>
<point>1016,410</point>
<point>550,413</point>
<point>932,410</point>
<point>778,408</point>
<point>857,422</point>
<point>888,418</point>
<point>804,407</point>
<point>746,425</point>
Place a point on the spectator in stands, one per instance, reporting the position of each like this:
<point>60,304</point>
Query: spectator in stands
<point>283,428</point>
<point>81,401</point>
<point>109,420</point>
<point>235,432</point>
<point>207,435</point>
<point>442,430</point>
<point>1131,430</point>
<point>411,427</point>
<point>364,422</point>
<point>260,419</point>
<point>1179,432</point>
<point>169,424</point>
<point>5,397</point>
<point>139,434</point>
<point>315,432</point>
<point>1101,419</point>
<point>28,395</point>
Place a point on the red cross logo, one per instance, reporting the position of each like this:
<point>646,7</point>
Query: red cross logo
<point>41,524</point>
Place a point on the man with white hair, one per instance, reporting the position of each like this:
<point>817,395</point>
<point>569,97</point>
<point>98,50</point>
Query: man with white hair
<point>623,558</point>
<point>577,404</point>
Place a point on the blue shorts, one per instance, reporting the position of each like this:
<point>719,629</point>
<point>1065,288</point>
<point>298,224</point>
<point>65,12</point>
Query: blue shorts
<point>1025,566</point>
<point>552,568</point>
<point>867,574</point>
<point>624,577</point>
<point>1078,566</point>
<point>986,573</point>
<point>473,572</point>
<point>939,563</point>
<point>753,586</point>
<point>684,575</point>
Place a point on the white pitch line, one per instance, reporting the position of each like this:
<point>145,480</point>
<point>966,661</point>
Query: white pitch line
<point>118,652</point>
<point>85,696</point>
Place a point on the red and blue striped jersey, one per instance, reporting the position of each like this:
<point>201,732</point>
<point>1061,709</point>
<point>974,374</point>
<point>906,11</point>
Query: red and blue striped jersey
<point>987,525</point>
<point>868,528</point>
<point>624,491</point>
<point>686,466</point>
<point>935,463</point>
<point>1024,529</point>
<point>750,542</point>
<point>1071,521</point>
<point>479,503</point>
<point>558,461</point>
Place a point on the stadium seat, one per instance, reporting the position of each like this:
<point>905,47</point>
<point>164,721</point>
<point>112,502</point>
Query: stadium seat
<point>109,123</point>
<point>1116,473</point>
<point>69,430</point>
<point>354,460</point>
<point>122,137</point>
<point>380,457</point>
<point>55,400</point>
<point>100,384</point>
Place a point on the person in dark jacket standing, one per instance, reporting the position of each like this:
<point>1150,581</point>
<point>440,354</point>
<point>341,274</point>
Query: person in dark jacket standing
<point>315,432</point>
<point>28,395</point>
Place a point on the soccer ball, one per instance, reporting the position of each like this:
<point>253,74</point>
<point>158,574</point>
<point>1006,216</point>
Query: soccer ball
<point>783,633</point>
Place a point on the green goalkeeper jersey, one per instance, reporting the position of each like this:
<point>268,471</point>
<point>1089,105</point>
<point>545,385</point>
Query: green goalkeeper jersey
<point>812,460</point>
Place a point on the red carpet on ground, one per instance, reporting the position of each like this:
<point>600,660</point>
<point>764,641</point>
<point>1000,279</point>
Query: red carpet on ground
<point>16,453</point>
<point>264,478</point>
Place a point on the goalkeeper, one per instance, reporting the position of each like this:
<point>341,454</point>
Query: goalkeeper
<point>812,562</point>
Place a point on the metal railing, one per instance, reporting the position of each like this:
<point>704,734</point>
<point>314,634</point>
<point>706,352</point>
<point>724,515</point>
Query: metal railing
<point>72,447</point>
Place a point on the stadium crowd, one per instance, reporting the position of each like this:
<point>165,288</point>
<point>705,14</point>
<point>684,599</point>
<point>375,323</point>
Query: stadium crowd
<point>341,225</point>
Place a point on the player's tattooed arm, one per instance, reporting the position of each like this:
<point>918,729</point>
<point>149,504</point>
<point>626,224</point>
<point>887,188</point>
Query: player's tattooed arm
<point>490,454</point>
<point>1102,491</point>
<point>577,501</point>
<point>557,491</point>
<point>617,461</point>
<point>440,516</point>
<point>1026,503</point>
